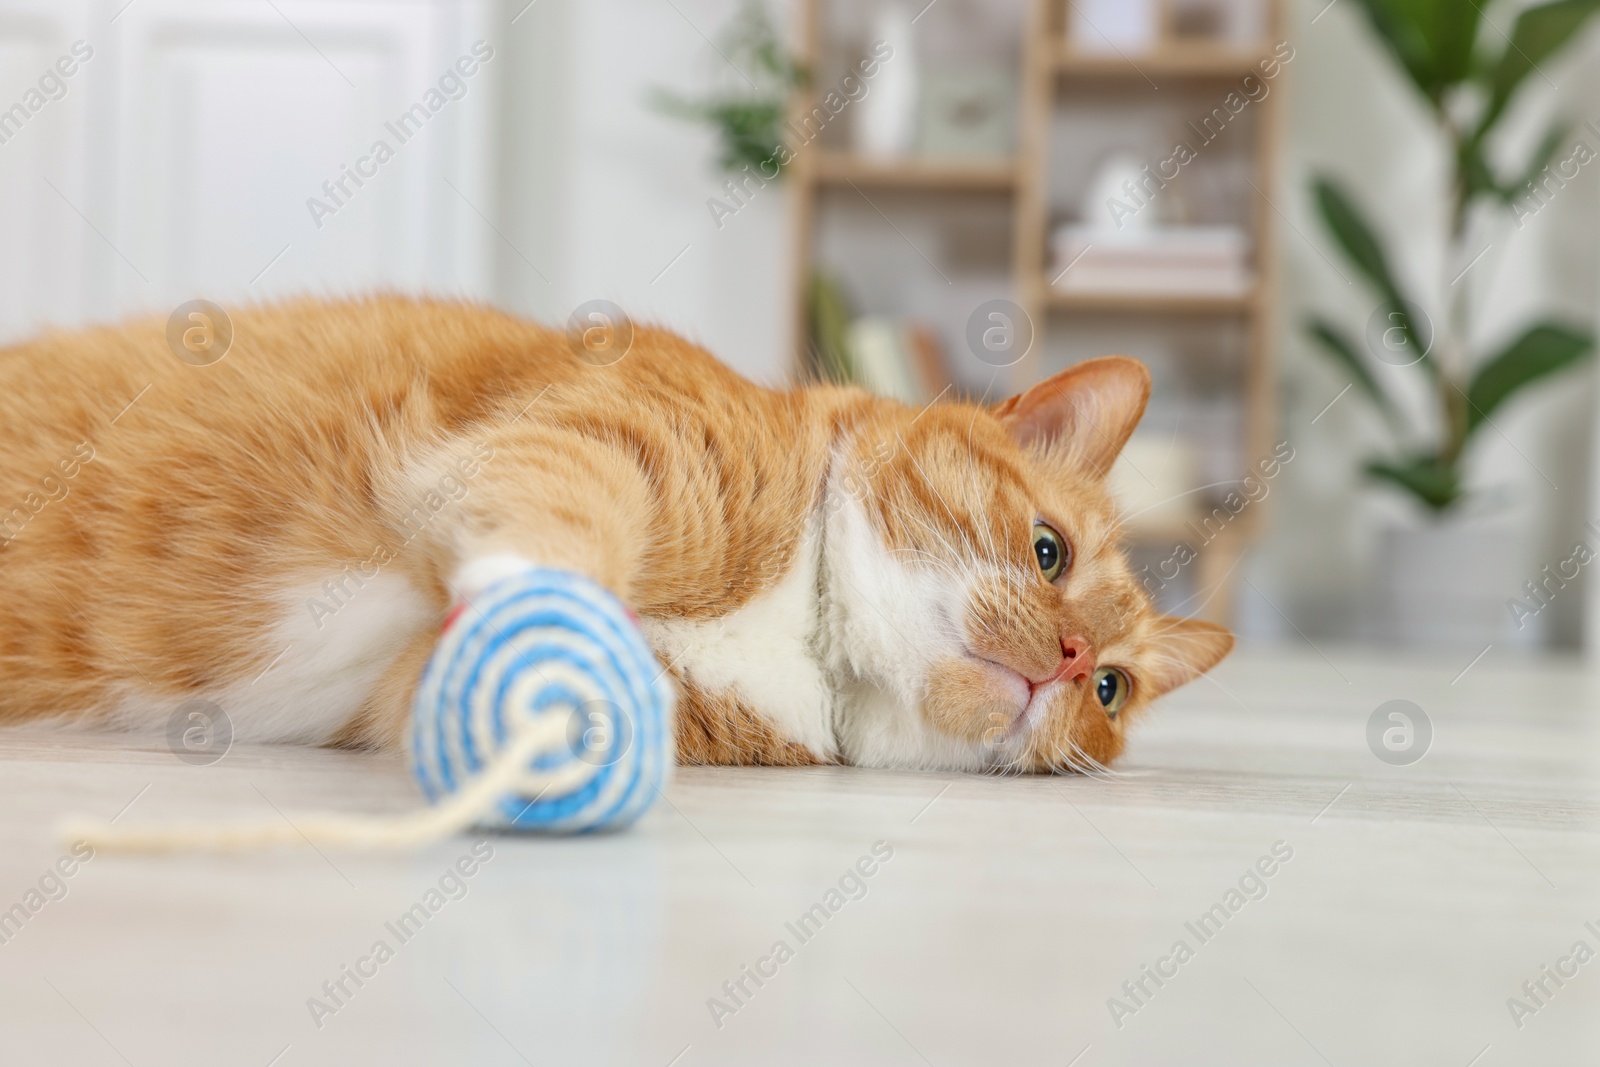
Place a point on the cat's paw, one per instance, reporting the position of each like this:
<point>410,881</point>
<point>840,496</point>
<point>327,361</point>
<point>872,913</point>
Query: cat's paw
<point>479,573</point>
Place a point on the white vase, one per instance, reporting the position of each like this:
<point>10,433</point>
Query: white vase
<point>1114,26</point>
<point>1448,585</point>
<point>1110,183</point>
<point>886,118</point>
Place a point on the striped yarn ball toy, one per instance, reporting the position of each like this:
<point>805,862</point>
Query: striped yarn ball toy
<point>544,685</point>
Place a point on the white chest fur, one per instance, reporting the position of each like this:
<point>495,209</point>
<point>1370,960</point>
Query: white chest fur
<point>766,654</point>
<point>888,626</point>
<point>839,669</point>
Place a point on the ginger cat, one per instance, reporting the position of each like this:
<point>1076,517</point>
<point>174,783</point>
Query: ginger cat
<point>829,576</point>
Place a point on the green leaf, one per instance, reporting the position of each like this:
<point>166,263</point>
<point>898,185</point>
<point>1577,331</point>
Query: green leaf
<point>1477,175</point>
<point>1539,33</point>
<point>1362,247</point>
<point>1432,40</point>
<point>1540,159</point>
<point>1435,485</point>
<point>1398,28</point>
<point>1355,237</point>
<point>749,122</point>
<point>1544,349</point>
<point>830,322</point>
<point>1452,31</point>
<point>1338,346</point>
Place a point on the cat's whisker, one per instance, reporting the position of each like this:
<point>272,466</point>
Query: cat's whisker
<point>940,564</point>
<point>929,526</point>
<point>1066,751</point>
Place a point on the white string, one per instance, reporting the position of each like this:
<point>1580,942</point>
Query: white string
<point>466,806</point>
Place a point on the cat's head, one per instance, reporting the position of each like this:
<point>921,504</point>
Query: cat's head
<point>979,596</point>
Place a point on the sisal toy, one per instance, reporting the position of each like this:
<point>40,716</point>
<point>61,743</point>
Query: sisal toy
<point>541,709</point>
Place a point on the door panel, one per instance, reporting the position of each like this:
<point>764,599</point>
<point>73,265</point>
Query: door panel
<point>215,148</point>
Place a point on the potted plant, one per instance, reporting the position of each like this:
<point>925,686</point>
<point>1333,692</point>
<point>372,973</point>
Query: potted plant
<point>1467,81</point>
<point>748,115</point>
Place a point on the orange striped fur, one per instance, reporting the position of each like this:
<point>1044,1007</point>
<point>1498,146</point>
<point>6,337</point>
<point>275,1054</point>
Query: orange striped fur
<point>284,531</point>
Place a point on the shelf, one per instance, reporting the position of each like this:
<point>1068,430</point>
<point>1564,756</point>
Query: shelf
<point>1192,61</point>
<point>1058,81</point>
<point>956,175</point>
<point>1173,303</point>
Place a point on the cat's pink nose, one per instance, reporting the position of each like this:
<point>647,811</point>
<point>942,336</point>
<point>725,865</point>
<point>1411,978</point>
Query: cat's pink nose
<point>1077,660</point>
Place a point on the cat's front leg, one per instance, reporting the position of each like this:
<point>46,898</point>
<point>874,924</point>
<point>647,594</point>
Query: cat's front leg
<point>521,494</point>
<point>717,727</point>
<point>486,506</point>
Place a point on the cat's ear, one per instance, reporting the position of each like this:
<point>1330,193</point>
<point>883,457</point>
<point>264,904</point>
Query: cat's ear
<point>1181,650</point>
<point>1087,410</point>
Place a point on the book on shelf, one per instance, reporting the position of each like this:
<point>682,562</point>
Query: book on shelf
<point>1150,260</point>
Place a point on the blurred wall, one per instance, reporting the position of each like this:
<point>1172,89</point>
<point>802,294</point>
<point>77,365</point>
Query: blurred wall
<point>607,197</point>
<point>195,145</point>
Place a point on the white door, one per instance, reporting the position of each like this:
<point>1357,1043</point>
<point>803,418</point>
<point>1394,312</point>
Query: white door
<point>230,149</point>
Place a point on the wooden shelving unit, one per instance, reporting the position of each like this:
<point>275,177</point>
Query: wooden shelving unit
<point>1169,61</point>
<point>1153,303</point>
<point>1196,74</point>
<point>955,175</point>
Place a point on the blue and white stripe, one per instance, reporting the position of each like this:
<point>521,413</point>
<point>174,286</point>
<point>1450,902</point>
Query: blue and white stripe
<point>552,651</point>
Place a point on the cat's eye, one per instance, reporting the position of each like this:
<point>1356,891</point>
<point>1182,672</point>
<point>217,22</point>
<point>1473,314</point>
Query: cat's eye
<point>1050,550</point>
<point>1111,687</point>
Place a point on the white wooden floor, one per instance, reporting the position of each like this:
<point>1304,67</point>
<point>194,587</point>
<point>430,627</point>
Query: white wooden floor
<point>1417,901</point>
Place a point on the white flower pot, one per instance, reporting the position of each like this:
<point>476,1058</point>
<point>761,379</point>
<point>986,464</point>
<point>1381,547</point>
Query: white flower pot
<point>1448,585</point>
